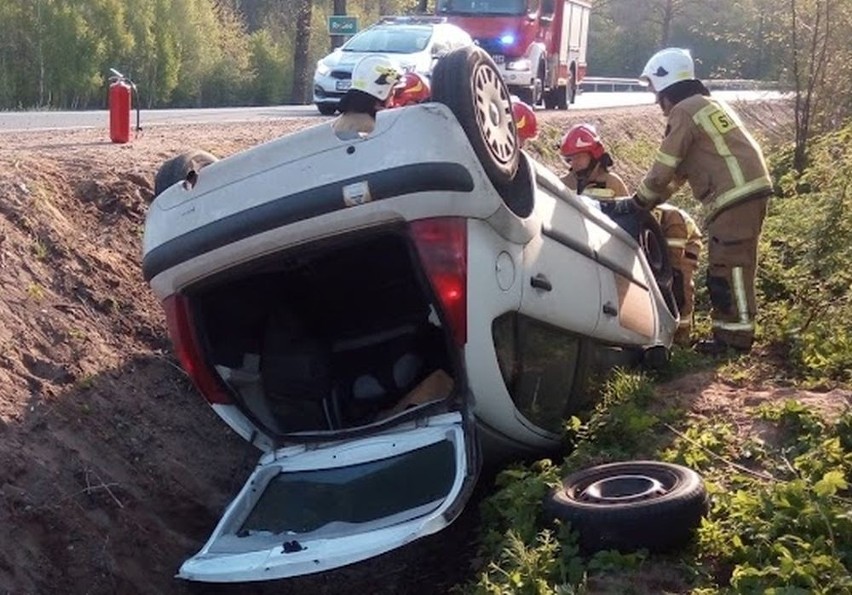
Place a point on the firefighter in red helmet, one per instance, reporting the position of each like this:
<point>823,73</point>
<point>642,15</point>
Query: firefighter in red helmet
<point>525,121</point>
<point>584,151</point>
<point>413,88</point>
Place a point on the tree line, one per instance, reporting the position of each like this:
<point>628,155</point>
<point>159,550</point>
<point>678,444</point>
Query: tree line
<point>57,54</point>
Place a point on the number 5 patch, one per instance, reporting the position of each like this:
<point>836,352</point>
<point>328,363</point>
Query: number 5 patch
<point>722,122</point>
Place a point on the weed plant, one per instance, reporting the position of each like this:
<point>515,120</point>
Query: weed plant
<point>780,519</point>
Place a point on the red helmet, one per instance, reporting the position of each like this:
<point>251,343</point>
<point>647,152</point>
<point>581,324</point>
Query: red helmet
<point>413,88</point>
<point>525,120</point>
<point>582,138</point>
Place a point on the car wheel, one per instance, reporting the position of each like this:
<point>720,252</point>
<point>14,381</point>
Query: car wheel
<point>467,81</point>
<point>645,229</point>
<point>525,95</point>
<point>631,505</point>
<point>182,167</point>
<point>653,243</point>
<point>560,100</point>
<point>327,109</point>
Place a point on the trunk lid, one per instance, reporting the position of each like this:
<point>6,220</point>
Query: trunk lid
<point>311,509</point>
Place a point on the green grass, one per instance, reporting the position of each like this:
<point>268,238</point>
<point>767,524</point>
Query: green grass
<point>777,473</point>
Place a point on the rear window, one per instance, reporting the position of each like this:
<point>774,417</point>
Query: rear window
<point>380,493</point>
<point>392,40</point>
<point>482,6</point>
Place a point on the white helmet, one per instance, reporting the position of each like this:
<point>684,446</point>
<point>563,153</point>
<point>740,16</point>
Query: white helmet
<point>376,76</point>
<point>667,67</point>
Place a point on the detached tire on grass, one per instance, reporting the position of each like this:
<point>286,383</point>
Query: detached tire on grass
<point>182,167</point>
<point>468,82</point>
<point>631,505</point>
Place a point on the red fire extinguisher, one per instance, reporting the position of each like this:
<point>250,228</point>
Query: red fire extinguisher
<point>121,89</point>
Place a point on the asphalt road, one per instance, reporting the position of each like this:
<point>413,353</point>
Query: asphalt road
<point>50,120</point>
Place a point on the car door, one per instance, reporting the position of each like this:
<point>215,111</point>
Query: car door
<point>561,285</point>
<point>310,509</point>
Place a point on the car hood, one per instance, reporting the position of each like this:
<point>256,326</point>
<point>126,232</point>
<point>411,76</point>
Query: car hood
<point>345,61</point>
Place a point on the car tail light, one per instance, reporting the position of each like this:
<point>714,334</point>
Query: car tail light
<point>189,351</point>
<point>442,247</point>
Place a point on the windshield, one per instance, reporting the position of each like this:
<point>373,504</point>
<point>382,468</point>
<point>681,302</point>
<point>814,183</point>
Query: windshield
<point>392,40</point>
<point>482,6</point>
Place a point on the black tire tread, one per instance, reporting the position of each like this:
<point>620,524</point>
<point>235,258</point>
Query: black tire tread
<point>451,85</point>
<point>659,524</point>
<point>177,168</point>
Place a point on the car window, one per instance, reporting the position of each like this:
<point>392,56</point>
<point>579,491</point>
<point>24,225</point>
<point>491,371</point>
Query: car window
<point>483,6</point>
<point>392,40</point>
<point>538,363</point>
<point>380,492</point>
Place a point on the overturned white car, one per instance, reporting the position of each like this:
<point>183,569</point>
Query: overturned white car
<point>377,314</point>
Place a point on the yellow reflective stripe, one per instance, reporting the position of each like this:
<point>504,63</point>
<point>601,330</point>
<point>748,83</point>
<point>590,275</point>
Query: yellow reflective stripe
<point>740,294</point>
<point>702,118</point>
<point>733,326</point>
<point>692,230</point>
<point>676,242</point>
<point>645,195</point>
<point>736,119</point>
<point>733,195</point>
<point>599,192</point>
<point>684,323</point>
<point>667,159</point>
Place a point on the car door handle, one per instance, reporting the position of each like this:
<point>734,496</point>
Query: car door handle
<point>609,309</point>
<point>541,282</point>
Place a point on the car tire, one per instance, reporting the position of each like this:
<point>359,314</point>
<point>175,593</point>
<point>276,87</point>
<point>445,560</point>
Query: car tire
<point>631,505</point>
<point>327,109</point>
<point>645,229</point>
<point>468,82</point>
<point>556,98</point>
<point>653,243</point>
<point>180,168</point>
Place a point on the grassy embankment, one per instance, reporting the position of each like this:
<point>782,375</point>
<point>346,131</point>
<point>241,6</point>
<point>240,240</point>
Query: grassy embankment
<point>770,432</point>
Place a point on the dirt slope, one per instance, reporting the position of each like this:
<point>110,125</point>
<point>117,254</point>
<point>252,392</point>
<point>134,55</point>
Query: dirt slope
<point>112,470</point>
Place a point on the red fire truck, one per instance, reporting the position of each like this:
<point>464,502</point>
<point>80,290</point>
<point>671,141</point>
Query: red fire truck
<point>539,45</point>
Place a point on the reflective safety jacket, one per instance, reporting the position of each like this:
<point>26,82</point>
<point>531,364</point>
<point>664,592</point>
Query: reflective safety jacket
<point>680,230</point>
<point>603,185</point>
<point>707,145</point>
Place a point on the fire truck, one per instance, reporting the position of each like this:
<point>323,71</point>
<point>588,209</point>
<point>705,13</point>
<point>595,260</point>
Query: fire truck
<point>538,45</point>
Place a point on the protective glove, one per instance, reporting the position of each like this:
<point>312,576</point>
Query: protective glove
<point>639,203</point>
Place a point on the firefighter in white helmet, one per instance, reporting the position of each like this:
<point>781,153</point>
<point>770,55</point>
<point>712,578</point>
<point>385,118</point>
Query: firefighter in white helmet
<point>706,144</point>
<point>373,79</point>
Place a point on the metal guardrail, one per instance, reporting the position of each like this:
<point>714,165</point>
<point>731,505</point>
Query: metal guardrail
<point>603,83</point>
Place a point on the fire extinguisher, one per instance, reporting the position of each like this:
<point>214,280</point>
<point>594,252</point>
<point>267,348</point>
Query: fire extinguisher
<point>121,89</point>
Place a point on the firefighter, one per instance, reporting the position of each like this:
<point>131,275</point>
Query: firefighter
<point>583,150</point>
<point>683,242</point>
<point>373,78</point>
<point>707,145</point>
<point>584,153</point>
<point>412,88</point>
<point>525,121</point>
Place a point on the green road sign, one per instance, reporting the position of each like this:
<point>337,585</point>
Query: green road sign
<point>342,25</point>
